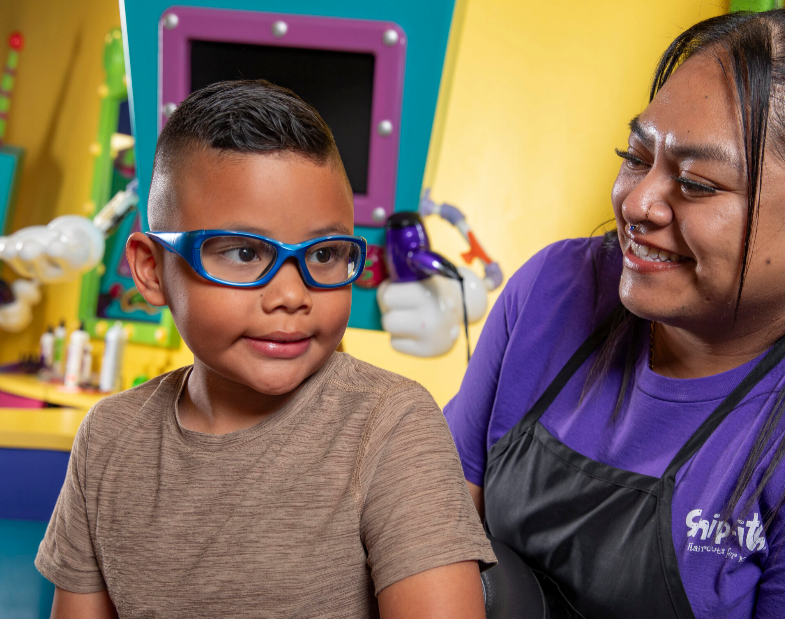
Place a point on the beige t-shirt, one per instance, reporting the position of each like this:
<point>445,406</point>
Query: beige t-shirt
<point>352,486</point>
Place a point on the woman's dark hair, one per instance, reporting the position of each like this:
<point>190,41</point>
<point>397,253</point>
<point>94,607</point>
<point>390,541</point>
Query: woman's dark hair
<point>244,116</point>
<point>750,48</point>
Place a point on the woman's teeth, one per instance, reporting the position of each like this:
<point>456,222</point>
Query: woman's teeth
<point>651,254</point>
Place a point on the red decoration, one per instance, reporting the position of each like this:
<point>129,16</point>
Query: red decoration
<point>16,41</point>
<point>375,268</point>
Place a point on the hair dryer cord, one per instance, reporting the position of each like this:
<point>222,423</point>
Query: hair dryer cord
<point>465,319</point>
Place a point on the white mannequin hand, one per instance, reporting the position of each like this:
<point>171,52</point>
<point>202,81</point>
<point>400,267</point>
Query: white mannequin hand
<point>15,316</point>
<point>61,251</point>
<point>425,318</point>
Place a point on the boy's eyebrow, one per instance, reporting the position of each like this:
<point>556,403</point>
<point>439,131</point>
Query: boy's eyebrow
<point>336,228</point>
<point>333,229</point>
<point>238,227</point>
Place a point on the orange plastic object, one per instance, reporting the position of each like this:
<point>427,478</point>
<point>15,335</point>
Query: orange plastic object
<point>475,251</point>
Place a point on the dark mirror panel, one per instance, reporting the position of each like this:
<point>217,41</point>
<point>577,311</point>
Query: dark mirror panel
<point>338,84</point>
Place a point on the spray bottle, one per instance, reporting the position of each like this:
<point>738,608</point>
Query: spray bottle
<point>73,363</point>
<point>87,365</point>
<point>58,355</point>
<point>47,348</point>
<point>111,365</point>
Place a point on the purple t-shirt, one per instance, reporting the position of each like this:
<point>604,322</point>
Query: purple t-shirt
<point>544,314</point>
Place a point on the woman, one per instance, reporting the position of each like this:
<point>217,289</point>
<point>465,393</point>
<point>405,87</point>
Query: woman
<point>620,424</point>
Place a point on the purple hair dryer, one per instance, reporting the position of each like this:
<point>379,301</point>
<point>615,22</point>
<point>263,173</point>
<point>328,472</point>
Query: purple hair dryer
<point>410,259</point>
<point>408,251</point>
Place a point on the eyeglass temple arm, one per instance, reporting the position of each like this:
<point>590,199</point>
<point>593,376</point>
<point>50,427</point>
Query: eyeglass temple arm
<point>165,240</point>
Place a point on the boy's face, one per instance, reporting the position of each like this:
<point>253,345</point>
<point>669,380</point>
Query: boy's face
<point>273,337</point>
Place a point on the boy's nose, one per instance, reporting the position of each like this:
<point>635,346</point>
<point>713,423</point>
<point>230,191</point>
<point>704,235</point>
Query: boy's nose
<point>286,290</point>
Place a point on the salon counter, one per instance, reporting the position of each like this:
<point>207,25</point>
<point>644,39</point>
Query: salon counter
<point>41,428</point>
<point>38,423</point>
<point>31,388</point>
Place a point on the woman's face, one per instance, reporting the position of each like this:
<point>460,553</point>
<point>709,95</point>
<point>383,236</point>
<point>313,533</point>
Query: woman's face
<point>680,202</point>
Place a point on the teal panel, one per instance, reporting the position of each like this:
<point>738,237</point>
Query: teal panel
<point>10,170</point>
<point>365,312</point>
<point>427,27</point>
<point>24,593</point>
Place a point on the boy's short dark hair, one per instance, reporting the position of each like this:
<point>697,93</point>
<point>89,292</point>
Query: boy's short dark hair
<point>243,117</point>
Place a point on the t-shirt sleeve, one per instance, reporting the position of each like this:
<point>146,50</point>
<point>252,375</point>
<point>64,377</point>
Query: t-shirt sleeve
<point>469,412</point>
<point>771,588</point>
<point>66,555</point>
<point>771,593</point>
<point>415,510</point>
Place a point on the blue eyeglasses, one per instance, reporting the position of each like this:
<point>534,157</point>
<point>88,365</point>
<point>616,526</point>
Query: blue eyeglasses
<point>244,260</point>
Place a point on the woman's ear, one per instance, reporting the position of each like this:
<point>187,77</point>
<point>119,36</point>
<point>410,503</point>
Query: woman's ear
<point>144,257</point>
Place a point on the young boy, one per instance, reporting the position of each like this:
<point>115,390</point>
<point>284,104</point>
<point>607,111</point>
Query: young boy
<point>276,477</point>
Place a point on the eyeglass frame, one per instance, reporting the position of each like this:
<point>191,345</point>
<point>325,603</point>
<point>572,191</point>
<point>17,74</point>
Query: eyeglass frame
<point>188,246</point>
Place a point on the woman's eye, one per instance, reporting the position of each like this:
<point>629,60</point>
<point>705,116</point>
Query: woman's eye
<point>241,254</point>
<point>636,163</point>
<point>693,188</point>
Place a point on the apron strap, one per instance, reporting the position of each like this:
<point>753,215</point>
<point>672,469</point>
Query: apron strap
<point>702,434</point>
<point>565,374</point>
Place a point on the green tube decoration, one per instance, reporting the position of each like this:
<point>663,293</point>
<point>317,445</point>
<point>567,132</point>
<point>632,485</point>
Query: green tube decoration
<point>755,6</point>
<point>16,43</point>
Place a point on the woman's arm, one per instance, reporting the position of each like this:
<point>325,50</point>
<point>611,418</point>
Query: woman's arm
<point>469,412</point>
<point>68,605</point>
<point>448,592</point>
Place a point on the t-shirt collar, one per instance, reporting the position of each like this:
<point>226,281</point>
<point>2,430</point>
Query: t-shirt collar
<point>308,392</point>
<point>706,389</point>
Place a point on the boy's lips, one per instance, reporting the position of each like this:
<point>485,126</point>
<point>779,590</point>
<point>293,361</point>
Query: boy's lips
<point>280,345</point>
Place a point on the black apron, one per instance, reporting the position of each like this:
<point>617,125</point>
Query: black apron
<point>599,538</point>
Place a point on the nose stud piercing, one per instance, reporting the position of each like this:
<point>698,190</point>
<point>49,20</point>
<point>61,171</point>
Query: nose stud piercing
<point>634,226</point>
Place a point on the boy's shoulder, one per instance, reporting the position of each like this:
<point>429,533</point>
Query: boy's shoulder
<point>352,375</point>
<point>381,397</point>
<point>115,413</point>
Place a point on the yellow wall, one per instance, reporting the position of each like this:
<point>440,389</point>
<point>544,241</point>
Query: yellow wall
<point>541,95</point>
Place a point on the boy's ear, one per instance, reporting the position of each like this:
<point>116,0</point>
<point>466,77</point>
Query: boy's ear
<point>144,258</point>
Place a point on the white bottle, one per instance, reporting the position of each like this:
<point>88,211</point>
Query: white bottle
<point>58,355</point>
<point>47,348</point>
<point>73,363</point>
<point>87,365</point>
<point>111,365</point>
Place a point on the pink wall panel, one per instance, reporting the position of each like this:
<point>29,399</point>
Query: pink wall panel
<point>8,400</point>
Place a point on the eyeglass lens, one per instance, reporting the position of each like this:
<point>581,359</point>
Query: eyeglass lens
<point>243,260</point>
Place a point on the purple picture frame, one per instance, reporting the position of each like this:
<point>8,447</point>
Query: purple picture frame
<point>385,40</point>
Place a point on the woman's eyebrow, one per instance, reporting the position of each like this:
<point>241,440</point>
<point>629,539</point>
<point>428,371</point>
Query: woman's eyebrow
<point>710,152</point>
<point>706,152</point>
<point>637,129</point>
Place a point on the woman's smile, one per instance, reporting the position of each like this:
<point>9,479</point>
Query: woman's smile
<point>644,259</point>
<point>650,253</point>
